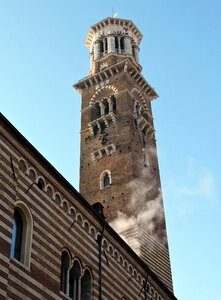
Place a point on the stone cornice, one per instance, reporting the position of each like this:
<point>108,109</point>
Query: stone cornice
<point>125,66</point>
<point>102,24</point>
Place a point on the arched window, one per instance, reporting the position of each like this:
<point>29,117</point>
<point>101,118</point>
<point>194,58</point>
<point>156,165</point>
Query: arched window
<point>95,129</point>
<point>122,45</point>
<point>134,51</point>
<point>65,265</point>
<point>105,179</point>
<point>21,234</point>
<point>101,48</point>
<point>114,103</point>
<point>86,286</point>
<point>116,44</point>
<point>17,235</point>
<point>106,106</point>
<point>106,45</point>
<point>74,281</point>
<point>95,111</point>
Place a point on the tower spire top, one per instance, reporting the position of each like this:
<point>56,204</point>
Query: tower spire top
<point>114,14</point>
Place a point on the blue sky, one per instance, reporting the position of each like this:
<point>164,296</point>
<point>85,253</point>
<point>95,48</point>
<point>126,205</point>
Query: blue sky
<point>42,54</point>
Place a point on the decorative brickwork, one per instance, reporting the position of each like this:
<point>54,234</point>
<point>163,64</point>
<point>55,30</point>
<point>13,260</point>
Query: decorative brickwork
<point>134,194</point>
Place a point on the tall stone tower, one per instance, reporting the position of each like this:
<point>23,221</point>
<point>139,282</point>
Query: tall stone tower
<point>119,165</point>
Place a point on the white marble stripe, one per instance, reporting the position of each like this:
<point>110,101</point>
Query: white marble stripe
<point>40,256</point>
<point>33,281</point>
<point>3,293</point>
<point>4,145</point>
<point>20,294</point>
<point>7,239</point>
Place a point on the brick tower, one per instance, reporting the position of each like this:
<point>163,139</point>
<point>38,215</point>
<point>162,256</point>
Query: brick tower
<point>119,166</point>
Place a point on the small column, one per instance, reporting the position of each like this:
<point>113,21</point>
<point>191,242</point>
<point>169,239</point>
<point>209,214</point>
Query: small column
<point>111,44</point>
<point>102,107</point>
<point>96,50</point>
<point>100,154</point>
<point>136,52</point>
<point>105,122</point>
<point>104,45</point>
<point>67,281</point>
<point>119,48</point>
<point>107,150</point>
<point>98,125</point>
<point>91,59</point>
<point>127,44</point>
<point>110,102</point>
<point>79,289</point>
<point>75,289</point>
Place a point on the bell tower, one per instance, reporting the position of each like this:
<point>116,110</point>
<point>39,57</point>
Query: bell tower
<point>118,164</point>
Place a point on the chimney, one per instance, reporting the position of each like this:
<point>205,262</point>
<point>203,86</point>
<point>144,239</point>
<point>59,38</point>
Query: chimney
<point>98,207</point>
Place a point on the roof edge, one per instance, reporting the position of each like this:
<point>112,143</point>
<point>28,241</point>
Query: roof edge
<point>111,20</point>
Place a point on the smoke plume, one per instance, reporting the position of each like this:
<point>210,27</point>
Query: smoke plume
<point>146,205</point>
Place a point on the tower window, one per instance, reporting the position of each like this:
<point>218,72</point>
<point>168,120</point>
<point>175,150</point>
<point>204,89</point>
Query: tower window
<point>116,44</point>
<point>122,45</point>
<point>95,130</point>
<point>134,51</point>
<point>101,48</point>
<point>106,106</point>
<point>105,179</point>
<point>114,103</point>
<point>106,45</point>
<point>21,234</point>
<point>103,126</point>
<point>95,111</point>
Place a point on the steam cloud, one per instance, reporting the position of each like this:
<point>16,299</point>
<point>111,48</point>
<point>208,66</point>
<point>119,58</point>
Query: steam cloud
<point>146,203</point>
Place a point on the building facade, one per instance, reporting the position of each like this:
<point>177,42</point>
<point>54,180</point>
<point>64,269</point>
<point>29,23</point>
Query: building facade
<point>54,244</point>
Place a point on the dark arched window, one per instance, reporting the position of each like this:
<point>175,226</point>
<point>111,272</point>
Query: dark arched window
<point>122,46</point>
<point>95,129</point>
<point>95,111</point>
<point>134,51</point>
<point>17,235</point>
<point>101,48</point>
<point>74,281</point>
<point>114,103</point>
<point>106,180</point>
<point>106,106</point>
<point>21,234</point>
<point>106,45</point>
<point>116,44</point>
<point>65,264</point>
<point>86,286</point>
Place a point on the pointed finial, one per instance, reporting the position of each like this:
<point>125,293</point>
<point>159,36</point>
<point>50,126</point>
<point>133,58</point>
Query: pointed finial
<point>114,14</point>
